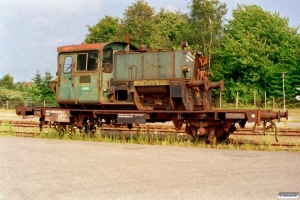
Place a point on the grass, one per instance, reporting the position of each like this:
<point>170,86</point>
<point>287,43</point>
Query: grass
<point>6,129</point>
<point>9,110</point>
<point>146,138</point>
<point>294,112</point>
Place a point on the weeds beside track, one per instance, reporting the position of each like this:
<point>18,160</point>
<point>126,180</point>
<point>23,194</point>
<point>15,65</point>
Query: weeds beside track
<point>247,138</point>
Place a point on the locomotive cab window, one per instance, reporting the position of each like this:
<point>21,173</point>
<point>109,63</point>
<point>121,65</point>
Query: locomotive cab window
<point>68,64</point>
<point>81,62</point>
<point>92,61</point>
<point>107,60</point>
<point>87,61</point>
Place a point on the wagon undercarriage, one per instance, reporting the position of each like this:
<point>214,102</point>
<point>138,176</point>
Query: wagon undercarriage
<point>205,125</point>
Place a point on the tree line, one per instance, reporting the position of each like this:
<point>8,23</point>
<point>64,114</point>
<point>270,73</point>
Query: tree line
<point>37,91</point>
<point>249,52</point>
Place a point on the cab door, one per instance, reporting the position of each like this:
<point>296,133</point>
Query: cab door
<point>86,79</point>
<point>66,91</point>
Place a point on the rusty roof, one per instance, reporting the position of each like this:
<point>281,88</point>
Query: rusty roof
<point>81,47</point>
<point>89,47</point>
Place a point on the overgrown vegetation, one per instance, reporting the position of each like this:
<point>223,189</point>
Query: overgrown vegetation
<point>35,92</point>
<point>142,137</point>
<point>6,129</point>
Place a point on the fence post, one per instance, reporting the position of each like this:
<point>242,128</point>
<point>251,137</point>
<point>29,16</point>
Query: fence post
<point>265,99</point>
<point>254,99</point>
<point>7,105</point>
<point>44,103</point>
<point>220,99</point>
<point>237,100</point>
<point>273,103</point>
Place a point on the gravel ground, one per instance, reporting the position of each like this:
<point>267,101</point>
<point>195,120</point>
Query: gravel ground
<point>58,169</point>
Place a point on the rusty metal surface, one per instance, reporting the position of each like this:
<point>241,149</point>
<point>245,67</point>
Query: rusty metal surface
<point>122,84</point>
<point>273,115</point>
<point>152,89</point>
<point>81,47</point>
<point>57,115</point>
<point>219,85</point>
<point>235,115</point>
<point>153,65</point>
<point>252,116</point>
<point>88,47</point>
<point>133,118</point>
<point>210,124</point>
<point>267,111</point>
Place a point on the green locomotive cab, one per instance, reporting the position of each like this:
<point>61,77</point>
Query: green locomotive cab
<point>120,76</point>
<point>84,72</point>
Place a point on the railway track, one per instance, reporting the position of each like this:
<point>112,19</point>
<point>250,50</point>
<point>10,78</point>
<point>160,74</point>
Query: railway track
<point>167,129</point>
<point>162,131</point>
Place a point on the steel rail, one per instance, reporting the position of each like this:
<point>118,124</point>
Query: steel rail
<point>168,129</point>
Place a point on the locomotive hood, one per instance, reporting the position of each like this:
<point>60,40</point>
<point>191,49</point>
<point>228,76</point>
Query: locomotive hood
<point>93,46</point>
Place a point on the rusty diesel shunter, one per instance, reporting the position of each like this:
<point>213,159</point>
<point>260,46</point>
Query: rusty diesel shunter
<point>121,84</point>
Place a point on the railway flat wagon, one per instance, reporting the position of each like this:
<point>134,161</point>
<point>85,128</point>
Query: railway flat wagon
<point>117,83</point>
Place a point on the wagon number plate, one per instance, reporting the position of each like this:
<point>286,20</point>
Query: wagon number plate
<point>139,118</point>
<point>57,115</point>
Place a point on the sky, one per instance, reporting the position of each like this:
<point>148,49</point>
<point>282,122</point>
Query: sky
<point>31,30</point>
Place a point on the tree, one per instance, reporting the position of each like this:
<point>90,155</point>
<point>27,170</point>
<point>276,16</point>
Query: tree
<point>170,29</point>
<point>138,21</point>
<point>11,95</point>
<point>106,30</point>
<point>257,47</point>
<point>34,92</point>
<point>162,30</point>
<point>40,89</point>
<point>7,82</point>
<point>37,78</point>
<point>47,93</point>
<point>206,19</point>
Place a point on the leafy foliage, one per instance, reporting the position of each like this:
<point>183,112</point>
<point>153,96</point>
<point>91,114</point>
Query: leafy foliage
<point>138,21</point>
<point>162,30</point>
<point>40,89</point>
<point>7,89</point>
<point>7,82</point>
<point>206,18</point>
<point>11,95</point>
<point>171,28</point>
<point>106,30</point>
<point>257,47</point>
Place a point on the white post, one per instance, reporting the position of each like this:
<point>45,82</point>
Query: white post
<point>237,100</point>
<point>283,90</point>
<point>220,99</point>
<point>254,99</point>
<point>265,99</point>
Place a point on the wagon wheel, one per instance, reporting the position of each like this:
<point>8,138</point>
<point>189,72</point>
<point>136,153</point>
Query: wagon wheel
<point>42,122</point>
<point>93,129</point>
<point>90,127</point>
<point>190,131</point>
<point>60,128</point>
<point>222,134</point>
<point>271,126</point>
